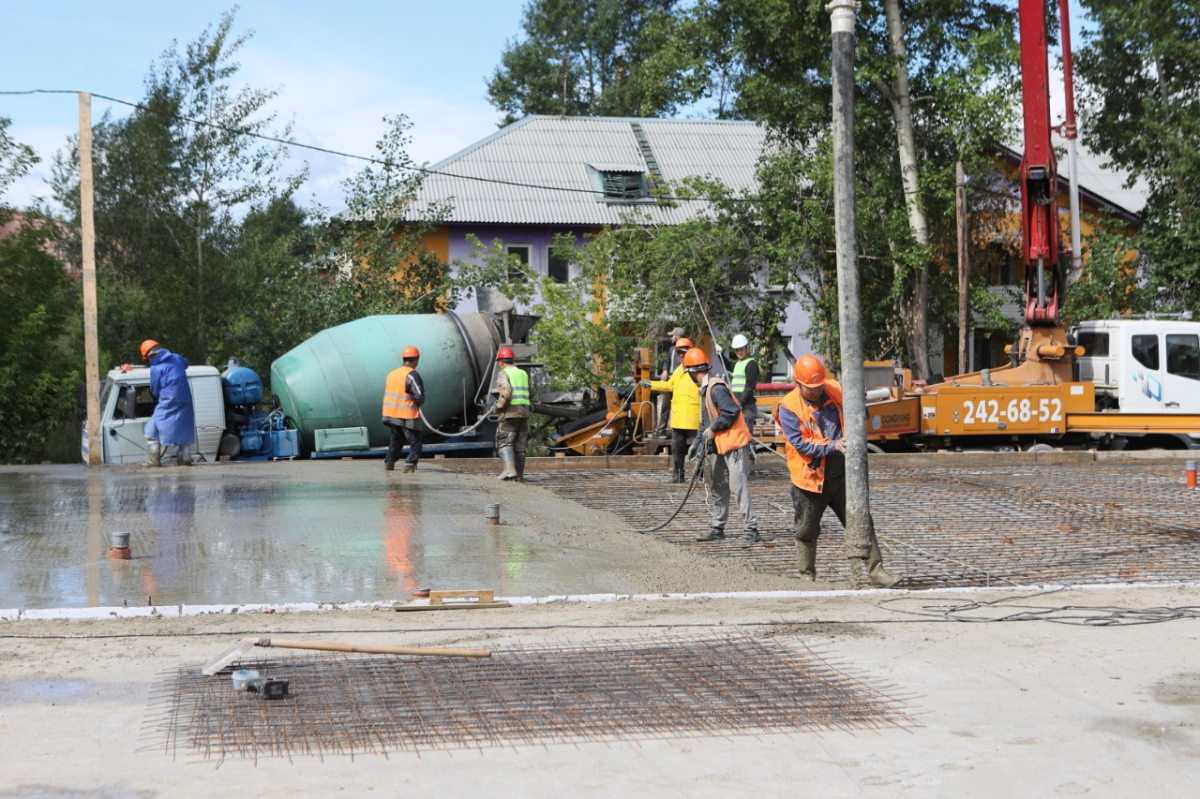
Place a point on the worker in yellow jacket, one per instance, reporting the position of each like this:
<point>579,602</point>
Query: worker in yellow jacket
<point>685,409</point>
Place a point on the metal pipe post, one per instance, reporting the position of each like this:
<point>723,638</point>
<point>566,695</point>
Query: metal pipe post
<point>858,499</point>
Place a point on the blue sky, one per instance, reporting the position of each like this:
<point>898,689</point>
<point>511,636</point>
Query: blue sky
<point>338,67</point>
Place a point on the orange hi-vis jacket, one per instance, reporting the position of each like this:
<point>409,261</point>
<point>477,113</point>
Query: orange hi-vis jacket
<point>733,437</point>
<point>397,402</point>
<point>805,475</point>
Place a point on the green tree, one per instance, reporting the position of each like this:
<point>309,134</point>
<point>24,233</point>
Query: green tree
<point>172,181</point>
<point>595,58</point>
<point>935,85</point>
<point>39,341</point>
<point>1141,108</point>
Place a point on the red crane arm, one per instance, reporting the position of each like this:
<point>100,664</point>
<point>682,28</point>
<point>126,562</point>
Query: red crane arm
<point>1044,281</point>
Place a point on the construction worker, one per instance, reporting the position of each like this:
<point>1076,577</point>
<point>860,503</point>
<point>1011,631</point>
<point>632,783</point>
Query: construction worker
<point>685,409</point>
<point>672,362</point>
<point>403,396</point>
<point>512,436</point>
<point>174,419</point>
<point>743,380</point>
<point>812,421</point>
<point>725,436</point>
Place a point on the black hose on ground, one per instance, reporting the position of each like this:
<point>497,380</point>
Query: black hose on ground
<point>682,502</point>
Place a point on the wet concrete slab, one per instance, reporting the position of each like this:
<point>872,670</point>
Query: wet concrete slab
<point>262,533</point>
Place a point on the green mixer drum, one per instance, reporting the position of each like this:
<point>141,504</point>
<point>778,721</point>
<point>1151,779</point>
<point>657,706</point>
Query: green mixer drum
<point>336,378</point>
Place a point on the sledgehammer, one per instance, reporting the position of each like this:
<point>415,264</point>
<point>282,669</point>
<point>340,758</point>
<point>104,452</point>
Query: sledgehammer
<point>241,648</point>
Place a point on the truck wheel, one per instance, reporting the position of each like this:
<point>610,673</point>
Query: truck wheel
<point>1039,447</point>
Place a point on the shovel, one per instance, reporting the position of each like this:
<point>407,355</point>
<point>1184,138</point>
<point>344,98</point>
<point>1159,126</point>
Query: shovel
<point>241,648</point>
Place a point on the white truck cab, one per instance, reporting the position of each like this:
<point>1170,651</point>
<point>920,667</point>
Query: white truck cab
<point>126,405</point>
<point>1142,365</point>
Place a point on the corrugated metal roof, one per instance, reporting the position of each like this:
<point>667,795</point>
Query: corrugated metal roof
<point>536,171</point>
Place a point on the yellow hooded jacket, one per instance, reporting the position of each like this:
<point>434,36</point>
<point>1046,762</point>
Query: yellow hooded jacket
<point>685,399</point>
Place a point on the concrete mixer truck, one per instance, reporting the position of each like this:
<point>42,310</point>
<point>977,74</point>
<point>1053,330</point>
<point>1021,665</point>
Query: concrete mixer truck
<point>328,391</point>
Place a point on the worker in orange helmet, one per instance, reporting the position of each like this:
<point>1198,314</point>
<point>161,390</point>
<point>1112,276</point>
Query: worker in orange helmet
<point>724,434</point>
<point>684,417</point>
<point>513,405</point>
<point>403,396</point>
<point>173,421</point>
<point>811,419</point>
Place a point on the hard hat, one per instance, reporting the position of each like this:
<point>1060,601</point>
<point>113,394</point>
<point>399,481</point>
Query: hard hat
<point>809,371</point>
<point>683,344</point>
<point>148,346</point>
<point>410,352</point>
<point>505,354</point>
<point>740,341</point>
<point>696,361</point>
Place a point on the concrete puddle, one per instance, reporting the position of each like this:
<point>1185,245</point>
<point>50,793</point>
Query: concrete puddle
<point>286,532</point>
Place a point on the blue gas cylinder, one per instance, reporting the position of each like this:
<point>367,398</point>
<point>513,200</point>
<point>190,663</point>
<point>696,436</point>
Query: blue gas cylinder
<point>242,385</point>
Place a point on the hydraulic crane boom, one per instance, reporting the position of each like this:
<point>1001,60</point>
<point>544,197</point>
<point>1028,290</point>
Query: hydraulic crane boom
<point>1044,279</point>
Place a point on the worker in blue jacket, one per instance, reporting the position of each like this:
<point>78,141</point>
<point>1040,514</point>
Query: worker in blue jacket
<point>173,422</point>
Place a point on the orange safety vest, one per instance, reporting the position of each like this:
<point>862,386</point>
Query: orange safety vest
<point>730,438</point>
<point>804,475</point>
<point>397,402</point>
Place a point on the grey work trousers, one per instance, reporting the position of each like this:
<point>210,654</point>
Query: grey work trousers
<point>731,478</point>
<point>810,506</point>
<point>513,432</point>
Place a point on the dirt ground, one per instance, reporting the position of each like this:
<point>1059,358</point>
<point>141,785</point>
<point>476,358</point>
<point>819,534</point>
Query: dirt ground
<point>1003,708</point>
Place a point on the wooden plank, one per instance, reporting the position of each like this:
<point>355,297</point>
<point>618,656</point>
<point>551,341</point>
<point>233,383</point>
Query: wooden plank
<point>453,606</point>
<point>482,595</point>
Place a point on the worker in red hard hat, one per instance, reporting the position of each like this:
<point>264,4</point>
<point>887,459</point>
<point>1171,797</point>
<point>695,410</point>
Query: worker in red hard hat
<point>811,419</point>
<point>173,422</point>
<point>725,438</point>
<point>403,396</point>
<point>513,405</point>
<point>684,417</point>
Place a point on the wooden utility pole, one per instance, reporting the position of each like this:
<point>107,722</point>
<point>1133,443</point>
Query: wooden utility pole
<point>91,344</point>
<point>964,270</point>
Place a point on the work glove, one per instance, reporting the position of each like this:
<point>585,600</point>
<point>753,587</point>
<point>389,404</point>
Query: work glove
<point>709,435</point>
<point>644,384</point>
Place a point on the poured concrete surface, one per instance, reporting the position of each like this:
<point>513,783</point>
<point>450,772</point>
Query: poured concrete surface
<point>1006,709</point>
<point>328,532</point>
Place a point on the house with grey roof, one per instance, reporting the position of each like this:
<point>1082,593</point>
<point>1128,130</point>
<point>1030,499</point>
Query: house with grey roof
<point>547,175</point>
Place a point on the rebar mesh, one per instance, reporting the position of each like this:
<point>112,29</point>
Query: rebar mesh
<point>663,688</point>
<point>950,527</point>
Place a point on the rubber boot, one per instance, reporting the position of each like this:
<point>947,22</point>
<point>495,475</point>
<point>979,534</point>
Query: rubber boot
<point>185,455</point>
<point>388,466</point>
<point>406,467</point>
<point>508,458</point>
<point>153,454</point>
<point>806,558</point>
<point>879,576</point>
<point>520,464</point>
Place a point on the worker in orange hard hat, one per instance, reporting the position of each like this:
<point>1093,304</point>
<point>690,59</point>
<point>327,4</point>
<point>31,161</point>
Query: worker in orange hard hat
<point>812,421</point>
<point>403,396</point>
<point>673,358</point>
<point>173,422</point>
<point>725,437</point>
<point>685,408</point>
<point>513,405</point>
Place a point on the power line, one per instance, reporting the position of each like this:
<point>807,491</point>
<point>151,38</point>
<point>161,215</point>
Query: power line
<point>386,163</point>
